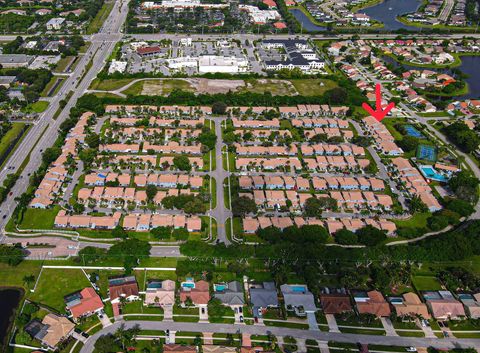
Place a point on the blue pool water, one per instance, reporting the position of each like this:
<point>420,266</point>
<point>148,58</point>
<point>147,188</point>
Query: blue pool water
<point>188,285</point>
<point>430,173</point>
<point>220,287</point>
<point>298,289</point>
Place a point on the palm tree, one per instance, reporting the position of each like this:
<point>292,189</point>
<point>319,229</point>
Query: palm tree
<point>28,280</point>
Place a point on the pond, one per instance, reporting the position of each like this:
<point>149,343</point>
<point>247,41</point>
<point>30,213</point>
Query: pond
<point>469,66</point>
<point>385,12</point>
<point>9,299</point>
<point>388,11</point>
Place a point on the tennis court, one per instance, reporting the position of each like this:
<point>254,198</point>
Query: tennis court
<point>427,153</point>
<point>412,131</point>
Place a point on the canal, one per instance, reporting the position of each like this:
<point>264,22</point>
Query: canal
<point>385,12</point>
<point>9,299</point>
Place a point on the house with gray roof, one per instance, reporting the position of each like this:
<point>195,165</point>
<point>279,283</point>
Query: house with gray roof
<point>230,294</point>
<point>298,298</point>
<point>262,297</point>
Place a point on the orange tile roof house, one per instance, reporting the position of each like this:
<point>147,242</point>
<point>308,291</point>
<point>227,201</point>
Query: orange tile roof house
<point>371,302</point>
<point>160,293</point>
<point>335,302</point>
<point>471,304</point>
<point>443,305</point>
<point>198,292</point>
<point>177,348</point>
<point>125,287</point>
<point>409,305</point>
<point>84,303</point>
<point>51,331</point>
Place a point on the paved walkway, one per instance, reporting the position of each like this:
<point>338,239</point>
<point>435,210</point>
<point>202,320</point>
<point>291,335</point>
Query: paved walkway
<point>332,323</point>
<point>388,326</point>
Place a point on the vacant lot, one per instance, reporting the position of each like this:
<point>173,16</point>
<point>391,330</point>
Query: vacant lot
<point>275,87</point>
<point>313,87</point>
<point>426,283</point>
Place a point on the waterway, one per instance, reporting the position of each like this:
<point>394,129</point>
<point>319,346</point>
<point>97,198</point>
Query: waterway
<point>469,66</point>
<point>385,12</point>
<point>9,299</point>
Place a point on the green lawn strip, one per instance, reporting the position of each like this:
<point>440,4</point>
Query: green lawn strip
<point>379,347</point>
<point>221,320</point>
<point>189,334</point>
<point>286,324</point>
<point>78,347</point>
<point>142,317</point>
<point>410,333</point>
<point>100,17</point>
<point>110,84</point>
<point>466,334</point>
<point>362,331</point>
<point>9,137</point>
<point>63,63</point>
<point>226,195</point>
<point>464,325</point>
<point>55,284</point>
<point>418,220</point>
<point>37,107</point>
<point>137,307</point>
<point>52,83</point>
<point>213,189</point>
<point>152,332</point>
<point>185,319</point>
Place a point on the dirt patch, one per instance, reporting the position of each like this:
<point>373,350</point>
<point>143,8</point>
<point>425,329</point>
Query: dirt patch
<point>205,85</point>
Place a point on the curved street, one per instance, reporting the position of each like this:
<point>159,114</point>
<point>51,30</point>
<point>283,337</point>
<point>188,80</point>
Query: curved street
<point>448,343</point>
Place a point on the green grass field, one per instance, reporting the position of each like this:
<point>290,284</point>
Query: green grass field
<point>54,284</point>
<point>39,219</point>
<point>10,136</point>
<point>313,87</point>
<point>63,63</point>
<point>37,107</point>
<point>418,220</point>
<point>109,85</point>
<point>49,86</point>
<point>425,283</point>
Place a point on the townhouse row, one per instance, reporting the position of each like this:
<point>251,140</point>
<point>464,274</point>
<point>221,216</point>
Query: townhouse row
<point>145,133</point>
<point>157,122</point>
<point>308,109</point>
<point>384,141</point>
<point>303,184</point>
<point>52,183</point>
<point>117,196</point>
<point>171,147</point>
<point>250,225</point>
<point>131,222</point>
<point>359,200</point>
<point>414,183</point>
<point>144,161</point>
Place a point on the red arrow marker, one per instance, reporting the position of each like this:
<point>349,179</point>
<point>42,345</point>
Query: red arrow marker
<point>378,113</point>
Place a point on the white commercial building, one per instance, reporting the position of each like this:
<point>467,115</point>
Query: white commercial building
<point>117,66</point>
<point>225,64</point>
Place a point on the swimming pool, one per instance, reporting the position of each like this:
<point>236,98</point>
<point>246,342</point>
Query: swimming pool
<point>430,173</point>
<point>189,285</point>
<point>219,287</point>
<point>298,289</point>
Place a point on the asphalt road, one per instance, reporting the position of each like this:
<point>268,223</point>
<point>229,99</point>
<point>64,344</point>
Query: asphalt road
<point>282,332</point>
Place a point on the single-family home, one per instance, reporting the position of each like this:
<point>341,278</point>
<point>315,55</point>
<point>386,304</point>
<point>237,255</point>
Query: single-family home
<point>371,302</point>
<point>83,303</point>
<point>298,298</point>
<point>160,293</point>
<point>409,304</point>
<point>263,296</point>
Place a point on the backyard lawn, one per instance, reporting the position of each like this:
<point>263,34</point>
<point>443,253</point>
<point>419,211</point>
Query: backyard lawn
<point>35,218</point>
<point>37,107</point>
<point>54,284</point>
<point>426,283</point>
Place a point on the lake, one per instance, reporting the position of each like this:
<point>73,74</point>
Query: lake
<point>10,298</point>
<point>385,12</point>
<point>469,66</point>
<point>388,11</point>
